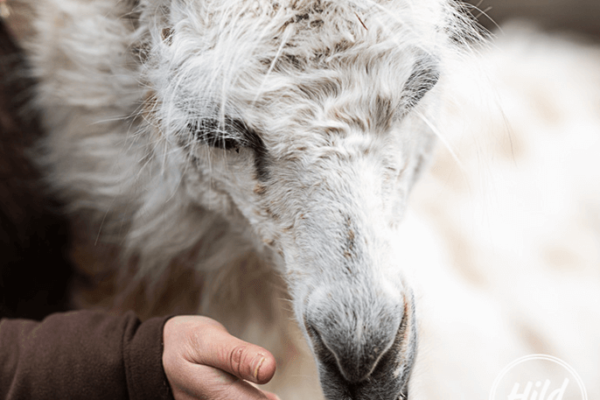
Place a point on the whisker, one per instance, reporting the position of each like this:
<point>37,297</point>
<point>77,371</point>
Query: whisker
<point>437,132</point>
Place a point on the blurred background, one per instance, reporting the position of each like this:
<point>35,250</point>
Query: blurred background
<point>580,16</point>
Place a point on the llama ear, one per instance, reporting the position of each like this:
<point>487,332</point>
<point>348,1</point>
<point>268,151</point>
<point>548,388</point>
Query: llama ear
<point>423,78</point>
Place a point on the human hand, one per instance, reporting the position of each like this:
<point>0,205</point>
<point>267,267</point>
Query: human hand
<point>203,361</point>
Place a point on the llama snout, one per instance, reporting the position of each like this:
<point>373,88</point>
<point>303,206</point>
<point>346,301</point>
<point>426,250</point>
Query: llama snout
<point>354,361</point>
<point>364,345</point>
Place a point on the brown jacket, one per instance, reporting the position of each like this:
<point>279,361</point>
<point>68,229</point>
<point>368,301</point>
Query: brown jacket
<point>82,355</point>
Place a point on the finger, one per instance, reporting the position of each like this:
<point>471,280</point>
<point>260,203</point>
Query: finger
<point>204,382</point>
<point>217,348</point>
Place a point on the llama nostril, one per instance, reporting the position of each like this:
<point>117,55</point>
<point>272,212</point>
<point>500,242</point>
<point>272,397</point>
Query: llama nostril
<point>323,352</point>
<point>355,362</point>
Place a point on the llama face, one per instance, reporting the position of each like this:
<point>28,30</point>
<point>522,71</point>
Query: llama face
<point>304,123</point>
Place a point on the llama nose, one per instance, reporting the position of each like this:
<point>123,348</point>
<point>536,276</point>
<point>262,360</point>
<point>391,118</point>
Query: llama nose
<point>354,358</point>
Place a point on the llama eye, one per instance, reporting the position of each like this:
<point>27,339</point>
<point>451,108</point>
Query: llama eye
<point>215,134</point>
<point>233,134</point>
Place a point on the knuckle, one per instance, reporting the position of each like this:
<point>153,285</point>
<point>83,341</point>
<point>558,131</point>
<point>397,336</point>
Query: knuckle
<point>236,358</point>
<point>193,349</point>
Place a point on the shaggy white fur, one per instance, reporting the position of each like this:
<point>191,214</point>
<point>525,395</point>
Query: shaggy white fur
<point>253,140</point>
<point>293,129</point>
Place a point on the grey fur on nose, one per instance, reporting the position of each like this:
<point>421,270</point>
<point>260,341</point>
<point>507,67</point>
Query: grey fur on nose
<point>353,358</point>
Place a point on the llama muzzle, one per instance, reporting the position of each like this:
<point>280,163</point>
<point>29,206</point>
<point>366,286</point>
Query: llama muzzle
<point>364,349</point>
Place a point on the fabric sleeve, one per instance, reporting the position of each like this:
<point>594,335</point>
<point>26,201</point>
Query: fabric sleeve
<point>83,355</point>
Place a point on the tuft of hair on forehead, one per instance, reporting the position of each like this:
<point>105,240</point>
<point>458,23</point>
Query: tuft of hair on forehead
<point>210,56</point>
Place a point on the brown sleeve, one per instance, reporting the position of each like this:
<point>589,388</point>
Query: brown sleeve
<point>82,355</point>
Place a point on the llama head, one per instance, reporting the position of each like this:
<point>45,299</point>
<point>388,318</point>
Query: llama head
<point>306,121</point>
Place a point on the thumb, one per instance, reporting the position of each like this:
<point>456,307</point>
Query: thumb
<point>218,349</point>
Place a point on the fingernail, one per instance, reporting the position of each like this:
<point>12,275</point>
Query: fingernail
<point>258,364</point>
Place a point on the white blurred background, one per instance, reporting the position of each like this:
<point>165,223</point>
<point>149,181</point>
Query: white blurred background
<point>503,237</point>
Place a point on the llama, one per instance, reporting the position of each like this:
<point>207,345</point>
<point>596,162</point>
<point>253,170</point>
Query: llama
<point>270,184</point>
<point>234,138</point>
